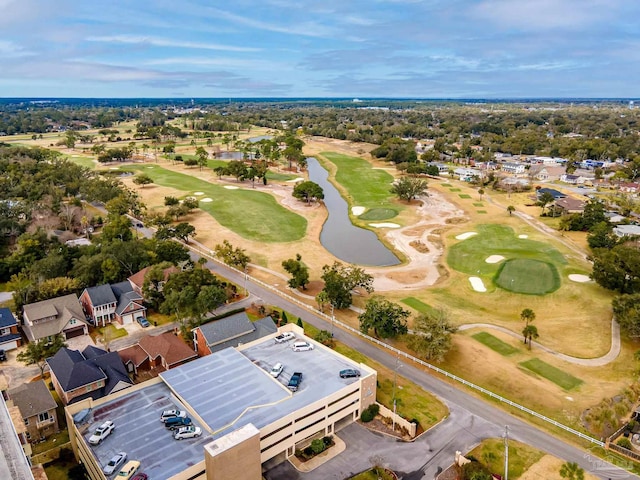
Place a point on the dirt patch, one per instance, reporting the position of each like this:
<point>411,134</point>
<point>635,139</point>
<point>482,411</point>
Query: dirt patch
<point>419,246</point>
<point>456,220</point>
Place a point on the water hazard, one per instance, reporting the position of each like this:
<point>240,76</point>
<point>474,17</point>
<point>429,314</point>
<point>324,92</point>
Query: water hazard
<point>341,237</point>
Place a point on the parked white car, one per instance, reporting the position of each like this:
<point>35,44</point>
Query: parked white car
<point>114,463</point>
<point>301,346</point>
<point>284,337</point>
<point>276,370</point>
<point>102,432</point>
<point>187,432</point>
<point>167,414</point>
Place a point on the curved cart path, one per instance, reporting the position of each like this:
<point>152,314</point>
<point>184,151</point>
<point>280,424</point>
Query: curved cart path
<point>609,357</point>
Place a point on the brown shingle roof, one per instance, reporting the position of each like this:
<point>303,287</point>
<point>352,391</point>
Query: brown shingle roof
<point>137,279</point>
<point>32,398</point>
<point>134,354</point>
<point>168,346</point>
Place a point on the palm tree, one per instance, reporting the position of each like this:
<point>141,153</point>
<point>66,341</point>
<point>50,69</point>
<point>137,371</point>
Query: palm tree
<point>528,316</point>
<point>529,332</point>
<point>571,471</point>
<point>545,199</point>
<point>481,192</point>
<point>511,209</point>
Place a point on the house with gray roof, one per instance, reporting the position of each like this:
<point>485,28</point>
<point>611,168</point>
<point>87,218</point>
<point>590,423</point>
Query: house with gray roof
<point>9,337</point>
<point>37,407</point>
<point>91,373</point>
<point>119,302</point>
<point>230,331</point>
<point>60,315</point>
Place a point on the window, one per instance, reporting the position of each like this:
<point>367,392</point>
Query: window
<point>73,321</point>
<point>5,331</point>
<point>26,421</point>
<point>44,417</point>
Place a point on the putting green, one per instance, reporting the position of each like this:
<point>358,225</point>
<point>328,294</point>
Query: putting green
<point>378,214</point>
<point>531,277</point>
<point>251,214</point>
<point>535,272</point>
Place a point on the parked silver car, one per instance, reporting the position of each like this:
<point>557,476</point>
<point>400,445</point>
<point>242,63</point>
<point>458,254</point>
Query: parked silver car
<point>114,463</point>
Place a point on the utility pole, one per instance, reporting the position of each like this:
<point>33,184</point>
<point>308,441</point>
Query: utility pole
<point>506,452</point>
<point>395,377</point>
<point>332,318</point>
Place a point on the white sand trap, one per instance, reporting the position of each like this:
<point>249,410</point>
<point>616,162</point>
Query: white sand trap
<point>296,180</point>
<point>494,259</point>
<point>150,167</point>
<point>206,200</point>
<point>198,193</point>
<point>231,187</point>
<point>523,236</point>
<point>569,398</point>
<point>576,277</point>
<point>476,283</point>
<point>357,211</point>
<point>384,225</point>
<point>464,236</point>
<point>114,168</point>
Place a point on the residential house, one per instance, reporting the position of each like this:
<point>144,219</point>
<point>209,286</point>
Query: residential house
<point>569,205</point>
<point>137,279</point>
<point>570,179</point>
<point>118,302</point>
<point>15,445</point>
<point>37,407</point>
<point>546,173</point>
<point>466,174</point>
<point>230,332</point>
<point>554,193</point>
<point>627,230</point>
<point>93,373</point>
<point>10,339</point>
<point>156,352</point>
<point>629,187</point>
<point>60,315</point>
<point>514,168</point>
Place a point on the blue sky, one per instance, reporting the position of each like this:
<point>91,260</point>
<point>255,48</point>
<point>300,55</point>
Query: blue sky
<point>344,48</point>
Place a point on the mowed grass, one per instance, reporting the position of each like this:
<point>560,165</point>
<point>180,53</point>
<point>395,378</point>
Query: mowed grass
<point>468,256</point>
<point>564,380</point>
<point>490,453</point>
<point>464,195</point>
<point>495,344</point>
<point>528,276</point>
<point>418,305</point>
<point>87,162</point>
<point>379,214</point>
<point>366,186</point>
<point>251,214</point>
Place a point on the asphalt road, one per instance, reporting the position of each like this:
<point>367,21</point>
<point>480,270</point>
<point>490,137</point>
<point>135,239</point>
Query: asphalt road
<point>465,409</point>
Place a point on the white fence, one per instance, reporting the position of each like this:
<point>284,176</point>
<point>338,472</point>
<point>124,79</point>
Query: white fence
<point>401,353</point>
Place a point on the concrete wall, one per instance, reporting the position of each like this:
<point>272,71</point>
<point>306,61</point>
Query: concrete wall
<point>236,455</point>
<point>400,422</point>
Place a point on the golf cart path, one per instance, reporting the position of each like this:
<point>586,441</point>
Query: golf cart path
<point>609,357</point>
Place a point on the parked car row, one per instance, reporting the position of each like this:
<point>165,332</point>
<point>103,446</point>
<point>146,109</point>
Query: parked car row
<point>181,425</point>
<point>129,471</point>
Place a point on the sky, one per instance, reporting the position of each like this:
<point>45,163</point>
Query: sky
<point>323,48</point>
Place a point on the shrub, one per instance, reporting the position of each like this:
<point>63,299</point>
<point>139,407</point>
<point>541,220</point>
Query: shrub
<point>624,443</point>
<point>308,452</point>
<point>328,440</point>
<point>318,446</point>
<point>369,413</point>
<point>374,408</point>
<point>475,471</point>
<point>51,387</point>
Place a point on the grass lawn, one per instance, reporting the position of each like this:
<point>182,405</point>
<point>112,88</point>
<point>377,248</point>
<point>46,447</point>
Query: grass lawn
<point>481,211</point>
<point>464,195</point>
<point>521,456</point>
<point>88,162</point>
<point>412,402</point>
<point>468,256</point>
<point>528,276</point>
<point>478,204</point>
<point>364,185</point>
<point>375,473</point>
<point>279,177</point>
<point>418,305</point>
<point>456,190</point>
<point>378,214</point>
<point>112,332</point>
<point>564,380</point>
<point>495,344</point>
<point>157,318</point>
<point>251,214</point>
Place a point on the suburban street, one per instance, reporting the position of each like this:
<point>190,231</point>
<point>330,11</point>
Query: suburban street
<point>471,419</point>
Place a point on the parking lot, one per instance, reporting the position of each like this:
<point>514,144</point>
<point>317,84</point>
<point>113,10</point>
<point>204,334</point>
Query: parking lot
<point>140,433</point>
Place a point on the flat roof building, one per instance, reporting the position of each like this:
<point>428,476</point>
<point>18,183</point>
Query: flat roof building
<point>242,410</point>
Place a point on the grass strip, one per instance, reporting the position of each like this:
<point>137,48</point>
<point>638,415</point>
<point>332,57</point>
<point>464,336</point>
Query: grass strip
<point>563,379</point>
<point>495,344</point>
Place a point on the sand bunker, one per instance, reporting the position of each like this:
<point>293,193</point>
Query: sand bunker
<point>206,200</point>
<point>477,285</point>
<point>198,193</point>
<point>576,277</point>
<point>464,236</point>
<point>231,187</point>
<point>494,259</point>
<point>114,168</point>
<point>384,225</point>
<point>357,211</point>
<point>523,236</point>
<point>296,180</point>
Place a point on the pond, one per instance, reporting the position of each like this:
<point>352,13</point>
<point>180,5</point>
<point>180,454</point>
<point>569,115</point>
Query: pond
<point>341,237</point>
<point>261,137</point>
<point>229,156</point>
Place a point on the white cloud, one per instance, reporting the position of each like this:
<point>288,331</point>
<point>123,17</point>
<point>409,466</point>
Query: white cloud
<point>165,42</point>
<point>9,49</point>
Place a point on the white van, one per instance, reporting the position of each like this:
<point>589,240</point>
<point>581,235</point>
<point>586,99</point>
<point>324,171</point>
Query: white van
<point>301,346</point>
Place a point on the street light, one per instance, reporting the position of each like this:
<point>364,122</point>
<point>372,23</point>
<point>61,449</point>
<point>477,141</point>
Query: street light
<point>245,280</point>
<point>332,318</point>
<point>395,378</point>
